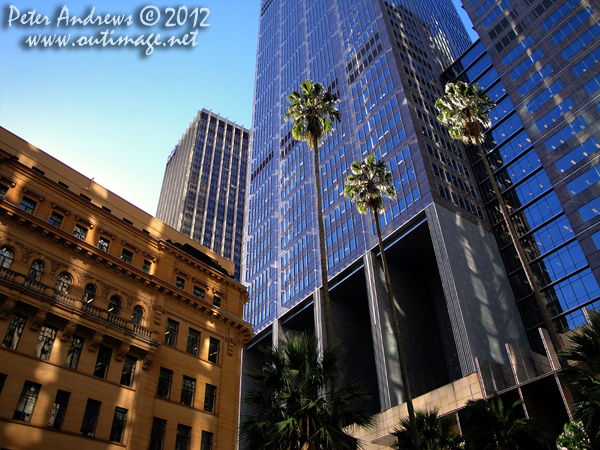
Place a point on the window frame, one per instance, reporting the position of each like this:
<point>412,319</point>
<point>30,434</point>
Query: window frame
<point>193,340</point>
<point>214,350</point>
<point>102,362</point>
<point>128,371</point>
<point>157,434</point>
<point>90,417</point>
<point>74,351</point>
<point>46,338</point>
<point>27,400</point>
<point>59,410</point>
<point>165,380</point>
<point>210,398</point>
<point>28,208</point>
<point>14,331</point>
<point>171,332</point>
<point>188,391</point>
<point>55,219</point>
<point>117,429</point>
<point>80,232</point>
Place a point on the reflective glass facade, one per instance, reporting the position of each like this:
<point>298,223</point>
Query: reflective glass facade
<point>540,68</point>
<point>383,60</point>
<point>204,186</point>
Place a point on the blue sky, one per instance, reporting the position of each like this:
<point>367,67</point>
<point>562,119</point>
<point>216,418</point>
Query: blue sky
<point>115,114</point>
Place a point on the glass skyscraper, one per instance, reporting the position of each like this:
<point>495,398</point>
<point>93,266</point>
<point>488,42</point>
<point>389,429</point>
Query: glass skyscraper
<point>538,61</point>
<point>204,186</point>
<point>383,60</point>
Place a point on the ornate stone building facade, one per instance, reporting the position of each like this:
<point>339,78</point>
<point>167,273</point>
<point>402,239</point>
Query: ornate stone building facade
<point>117,331</point>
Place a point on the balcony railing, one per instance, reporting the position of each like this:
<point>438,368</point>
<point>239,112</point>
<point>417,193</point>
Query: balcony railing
<point>73,302</point>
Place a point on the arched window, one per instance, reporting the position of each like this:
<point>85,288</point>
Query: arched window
<point>6,257</point>
<point>89,295</point>
<point>138,314</point>
<point>114,306</point>
<point>63,284</point>
<point>36,270</point>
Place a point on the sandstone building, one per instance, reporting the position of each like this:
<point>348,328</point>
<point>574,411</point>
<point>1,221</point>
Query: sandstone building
<point>117,331</point>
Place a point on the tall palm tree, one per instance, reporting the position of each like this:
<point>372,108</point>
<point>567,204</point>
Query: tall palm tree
<point>296,407</point>
<point>435,433</point>
<point>313,114</point>
<point>367,186</point>
<point>490,425</point>
<point>464,111</point>
<point>585,379</point>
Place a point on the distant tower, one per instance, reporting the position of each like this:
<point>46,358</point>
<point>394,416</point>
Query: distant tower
<point>204,186</point>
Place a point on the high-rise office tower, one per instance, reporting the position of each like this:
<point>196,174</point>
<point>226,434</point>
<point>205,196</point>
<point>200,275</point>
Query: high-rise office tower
<point>383,60</point>
<point>204,187</point>
<point>538,60</point>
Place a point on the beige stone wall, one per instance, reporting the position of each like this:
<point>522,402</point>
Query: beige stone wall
<point>31,238</point>
<point>446,399</point>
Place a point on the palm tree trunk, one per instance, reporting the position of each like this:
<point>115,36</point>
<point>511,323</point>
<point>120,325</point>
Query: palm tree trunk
<point>328,324</point>
<point>408,395</point>
<point>537,295</point>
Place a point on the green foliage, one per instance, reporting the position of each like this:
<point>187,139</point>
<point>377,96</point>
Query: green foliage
<point>490,425</point>
<point>295,405</point>
<point>368,184</point>
<point>573,437</point>
<point>585,379</point>
<point>313,113</point>
<point>435,433</point>
<point>464,111</point>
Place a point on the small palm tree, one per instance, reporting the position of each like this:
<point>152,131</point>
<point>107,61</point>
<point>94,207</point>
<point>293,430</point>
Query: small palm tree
<point>490,425</point>
<point>367,186</point>
<point>435,433</point>
<point>296,407</point>
<point>585,379</point>
<point>464,111</point>
<point>313,114</point>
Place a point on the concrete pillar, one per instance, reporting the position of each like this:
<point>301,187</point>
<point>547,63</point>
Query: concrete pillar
<point>389,377</point>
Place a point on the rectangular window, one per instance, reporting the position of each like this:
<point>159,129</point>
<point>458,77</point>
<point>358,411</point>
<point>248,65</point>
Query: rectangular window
<point>586,63</point>
<point>57,416</point>
<point>180,283</point>
<point>577,154</point>
<point>74,352</point>
<point>198,292</point>
<point>564,134</point>
<point>146,266</point>
<point>592,86</point>
<point>188,389</point>
<point>213,350</point>
<point>526,64</point>
<point>519,48</point>
<point>495,13</point>
<point>102,361</point>
<point>103,243</point>
<point>128,371</point>
<point>555,114</point>
<point>573,24</point>
<point>207,441</point>
<point>118,426</point>
<point>171,332</point>
<point>217,301</point>
<point>80,232</point>
<point>581,42</point>
<point>27,205</point>
<point>90,417</point>
<point>210,398</point>
<point>13,334</point>
<point>29,396</point>
<point>164,383</point>
<point>45,342</point>
<point>126,256</point>
<point>193,342</point>
<point>55,219</point>
<point>157,435</point>
<point>3,191</point>
<point>558,14</point>
<point>544,96</point>
<point>534,80</point>
<point>184,435</point>
<point>584,181</point>
<point>2,381</point>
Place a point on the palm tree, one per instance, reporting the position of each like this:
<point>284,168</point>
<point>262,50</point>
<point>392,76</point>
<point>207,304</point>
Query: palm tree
<point>435,433</point>
<point>296,407</point>
<point>490,425</point>
<point>464,111</point>
<point>367,186</point>
<point>313,113</point>
<point>573,437</point>
<point>585,350</point>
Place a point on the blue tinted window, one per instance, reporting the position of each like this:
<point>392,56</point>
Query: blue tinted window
<point>519,48</point>
<point>571,26</point>
<point>495,13</point>
<point>581,42</point>
<point>583,181</point>
<point>533,81</point>
<point>591,210</point>
<point>556,16</point>
<point>592,86</point>
<point>577,154</point>
<point>530,61</point>
<point>564,134</point>
<point>544,96</point>
<point>586,63</point>
<point>556,113</point>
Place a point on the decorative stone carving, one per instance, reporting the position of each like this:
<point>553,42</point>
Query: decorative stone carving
<point>230,345</point>
<point>68,331</point>
<point>149,358</point>
<point>123,350</point>
<point>158,315</point>
<point>7,307</point>
<point>54,266</point>
<point>27,251</point>
<point>38,320</point>
<point>96,341</point>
